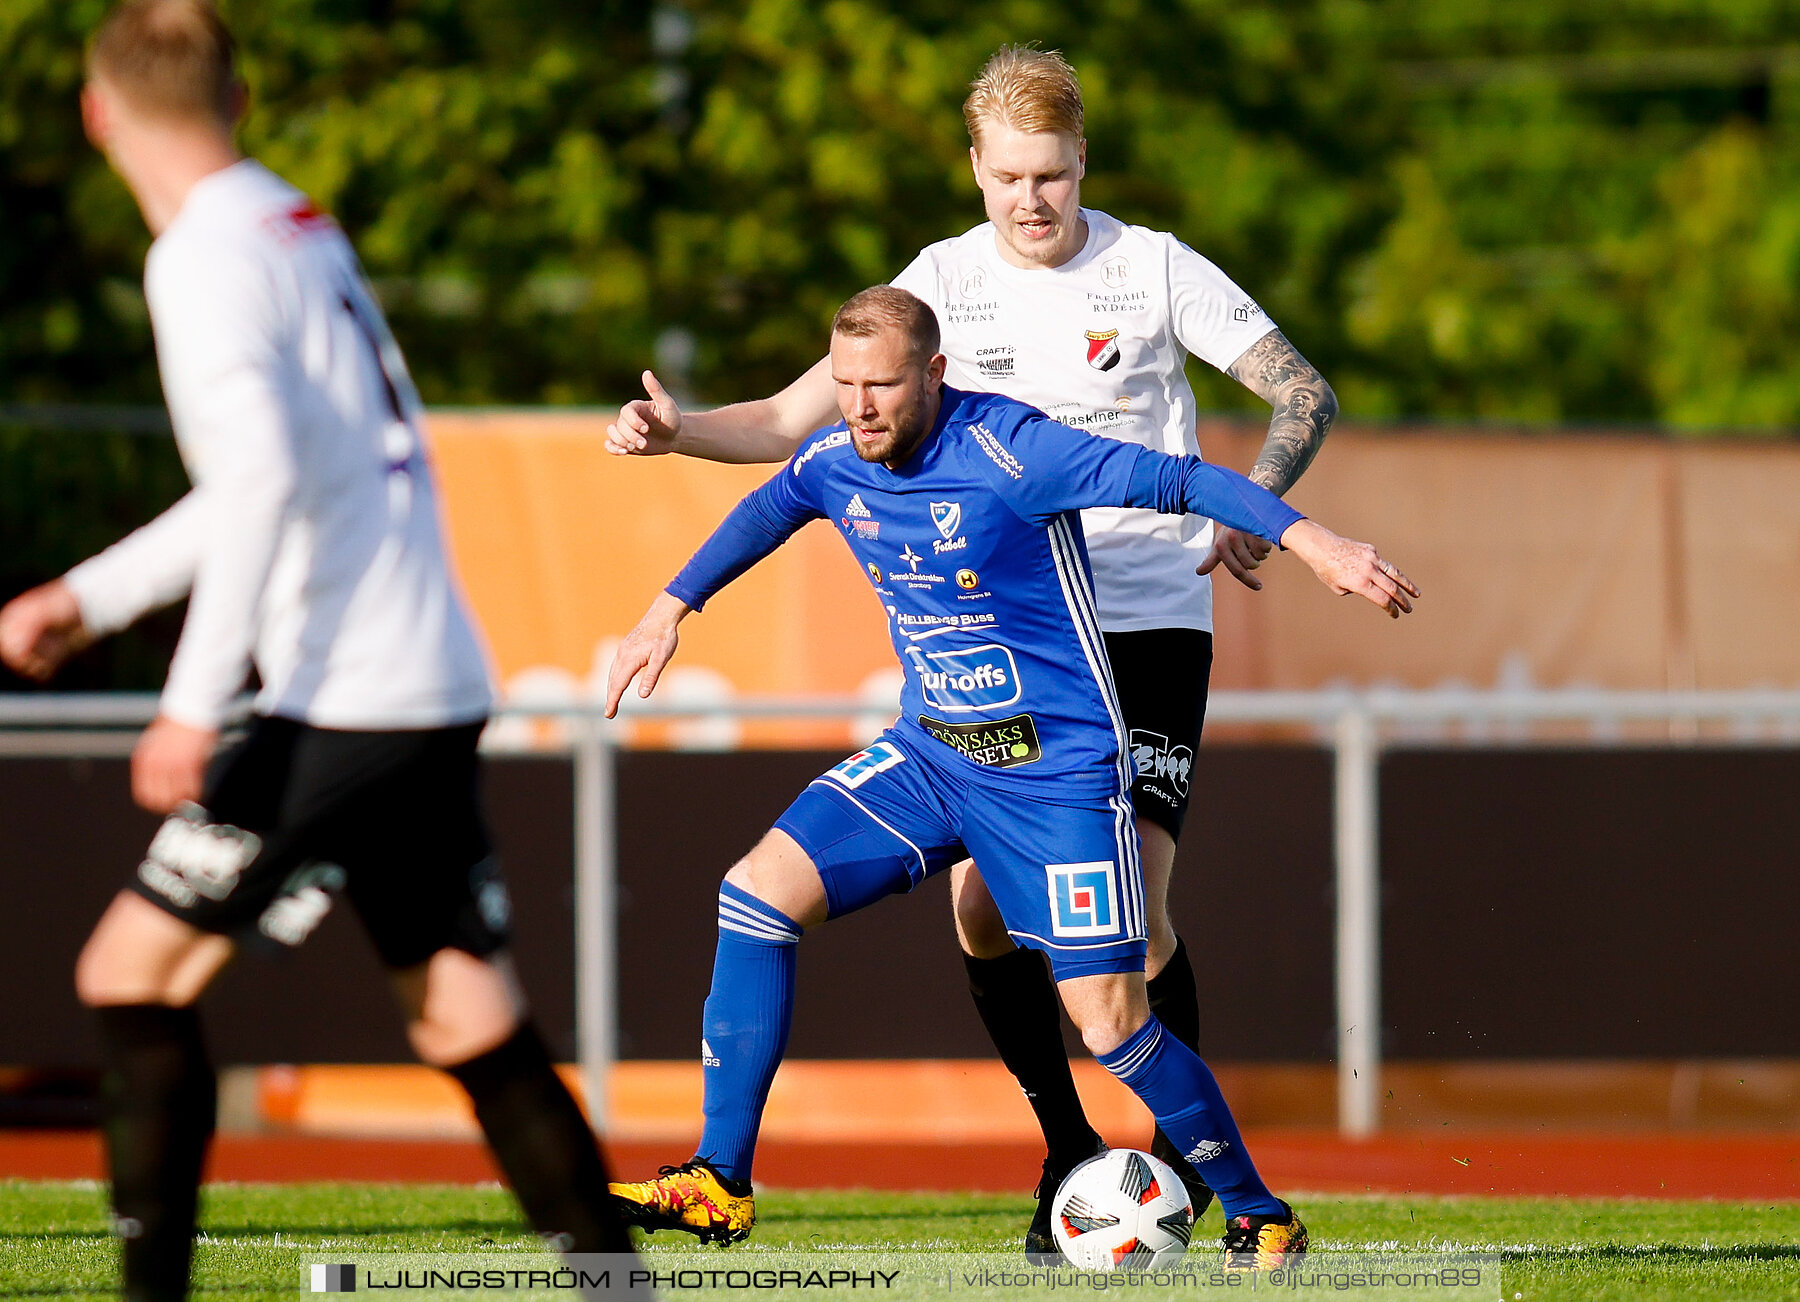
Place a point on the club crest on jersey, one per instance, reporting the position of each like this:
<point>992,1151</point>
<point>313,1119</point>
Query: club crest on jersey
<point>947,516</point>
<point>1103,349</point>
<point>1084,899</point>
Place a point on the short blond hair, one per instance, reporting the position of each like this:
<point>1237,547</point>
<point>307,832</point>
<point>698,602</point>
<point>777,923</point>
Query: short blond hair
<point>168,58</point>
<point>885,307</point>
<point>1026,89</point>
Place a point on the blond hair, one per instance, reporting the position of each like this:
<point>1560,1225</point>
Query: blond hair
<point>168,58</point>
<point>883,307</point>
<point>1025,89</point>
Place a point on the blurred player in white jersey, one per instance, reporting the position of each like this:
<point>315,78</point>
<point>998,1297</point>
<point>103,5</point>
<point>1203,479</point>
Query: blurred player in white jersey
<point>1092,321</point>
<point>310,549</point>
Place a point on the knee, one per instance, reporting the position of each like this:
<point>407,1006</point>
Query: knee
<point>1107,1032</point>
<point>96,983</point>
<point>1107,1010</point>
<point>779,874</point>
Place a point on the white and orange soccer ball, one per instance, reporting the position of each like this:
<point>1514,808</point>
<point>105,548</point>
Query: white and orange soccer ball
<point>1122,1210</point>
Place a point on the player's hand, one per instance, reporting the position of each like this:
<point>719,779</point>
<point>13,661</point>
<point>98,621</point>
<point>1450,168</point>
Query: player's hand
<point>646,427</point>
<point>40,629</point>
<point>1346,566</point>
<point>1239,553</point>
<point>169,764</point>
<point>645,650</point>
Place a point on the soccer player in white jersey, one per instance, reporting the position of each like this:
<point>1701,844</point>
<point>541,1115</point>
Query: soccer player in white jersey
<point>1091,320</point>
<point>310,548</point>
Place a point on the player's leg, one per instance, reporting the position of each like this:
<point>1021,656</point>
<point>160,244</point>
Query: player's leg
<point>468,1016</point>
<point>141,971</point>
<point>766,900</point>
<point>1161,676</point>
<point>210,873</point>
<point>856,835</point>
<point>401,812</point>
<point>1112,1010</point>
<point>1018,1004</point>
<point>1086,910</point>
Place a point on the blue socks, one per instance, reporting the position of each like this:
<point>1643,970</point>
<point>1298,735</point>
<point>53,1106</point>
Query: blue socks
<point>1182,1095</point>
<point>746,1025</point>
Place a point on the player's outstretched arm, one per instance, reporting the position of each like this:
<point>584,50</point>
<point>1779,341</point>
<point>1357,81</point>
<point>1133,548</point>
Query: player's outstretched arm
<point>1304,407</point>
<point>1347,566</point>
<point>646,650</point>
<point>40,629</point>
<point>768,429</point>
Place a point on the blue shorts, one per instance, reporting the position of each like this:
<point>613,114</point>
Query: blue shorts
<point>1064,872</point>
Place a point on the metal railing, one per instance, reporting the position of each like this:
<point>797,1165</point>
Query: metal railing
<point>1356,725</point>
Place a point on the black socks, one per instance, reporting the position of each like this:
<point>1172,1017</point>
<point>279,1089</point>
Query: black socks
<point>1018,1004</point>
<point>159,1101</point>
<point>543,1144</point>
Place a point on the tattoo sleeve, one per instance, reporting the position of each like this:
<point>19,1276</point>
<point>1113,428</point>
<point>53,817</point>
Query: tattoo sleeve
<point>1304,407</point>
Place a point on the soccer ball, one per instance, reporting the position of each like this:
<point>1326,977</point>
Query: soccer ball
<point>1122,1210</point>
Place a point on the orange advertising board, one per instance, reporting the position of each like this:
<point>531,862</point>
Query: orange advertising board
<point>1594,560</point>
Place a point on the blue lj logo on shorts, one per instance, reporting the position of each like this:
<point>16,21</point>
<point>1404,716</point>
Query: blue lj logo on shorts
<point>1083,899</point>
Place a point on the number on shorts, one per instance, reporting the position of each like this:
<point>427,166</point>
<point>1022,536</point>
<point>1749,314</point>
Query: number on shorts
<point>865,764</point>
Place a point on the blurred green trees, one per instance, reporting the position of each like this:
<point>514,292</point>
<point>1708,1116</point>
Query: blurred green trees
<point>1514,209</point>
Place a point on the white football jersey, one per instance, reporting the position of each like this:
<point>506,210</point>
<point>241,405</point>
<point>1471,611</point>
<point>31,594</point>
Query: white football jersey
<point>1100,343</point>
<point>310,545</point>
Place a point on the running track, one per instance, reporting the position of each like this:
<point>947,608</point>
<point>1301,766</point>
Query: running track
<point>1731,1167</point>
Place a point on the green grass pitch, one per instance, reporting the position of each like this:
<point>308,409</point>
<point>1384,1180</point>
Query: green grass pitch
<point>53,1240</point>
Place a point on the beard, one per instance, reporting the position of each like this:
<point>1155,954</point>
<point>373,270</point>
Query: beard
<point>902,434</point>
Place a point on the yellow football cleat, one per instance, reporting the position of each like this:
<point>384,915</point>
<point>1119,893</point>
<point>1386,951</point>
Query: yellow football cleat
<point>689,1197</point>
<point>1264,1242</point>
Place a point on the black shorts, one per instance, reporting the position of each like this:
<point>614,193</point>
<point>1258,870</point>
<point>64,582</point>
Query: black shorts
<point>1161,675</point>
<point>294,816</point>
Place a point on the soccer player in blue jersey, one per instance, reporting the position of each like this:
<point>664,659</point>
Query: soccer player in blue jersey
<point>1010,748</point>
<point>1093,320</point>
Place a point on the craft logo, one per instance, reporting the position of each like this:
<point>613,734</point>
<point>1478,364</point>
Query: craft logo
<point>1083,899</point>
<point>1103,349</point>
<point>334,1279</point>
<point>1158,761</point>
<point>190,857</point>
<point>996,362</point>
<point>1115,272</point>
<point>1244,312</point>
<point>980,678</point>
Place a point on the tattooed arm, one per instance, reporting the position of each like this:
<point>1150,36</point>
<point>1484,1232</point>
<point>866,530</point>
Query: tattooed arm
<point>1273,369</point>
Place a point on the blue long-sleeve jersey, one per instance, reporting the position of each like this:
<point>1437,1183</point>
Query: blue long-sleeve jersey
<point>975,547</point>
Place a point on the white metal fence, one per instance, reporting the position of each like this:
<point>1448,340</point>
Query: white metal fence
<point>1356,725</point>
